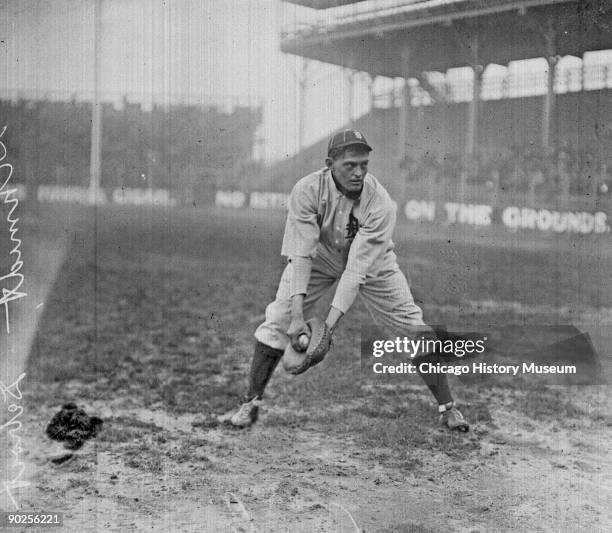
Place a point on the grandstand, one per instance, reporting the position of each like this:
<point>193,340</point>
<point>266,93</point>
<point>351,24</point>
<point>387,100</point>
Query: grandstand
<point>188,150</point>
<point>548,147</point>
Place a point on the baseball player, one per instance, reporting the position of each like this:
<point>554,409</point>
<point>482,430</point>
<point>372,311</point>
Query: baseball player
<point>339,228</point>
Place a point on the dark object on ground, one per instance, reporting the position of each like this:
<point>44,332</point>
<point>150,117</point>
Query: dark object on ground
<point>61,459</point>
<point>73,426</point>
<point>206,422</point>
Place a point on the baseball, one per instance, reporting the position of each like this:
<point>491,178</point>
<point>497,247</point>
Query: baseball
<point>303,341</point>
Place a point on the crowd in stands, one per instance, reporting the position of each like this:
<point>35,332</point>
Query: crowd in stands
<point>560,173</point>
<point>195,151</point>
<point>183,148</point>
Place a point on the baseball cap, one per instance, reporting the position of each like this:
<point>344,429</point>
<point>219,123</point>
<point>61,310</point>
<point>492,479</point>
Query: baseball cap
<point>347,138</point>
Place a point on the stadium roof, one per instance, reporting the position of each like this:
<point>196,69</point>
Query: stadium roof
<point>369,35</point>
<point>322,4</point>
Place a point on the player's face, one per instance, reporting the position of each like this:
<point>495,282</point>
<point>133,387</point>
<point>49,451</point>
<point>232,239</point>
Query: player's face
<point>350,169</point>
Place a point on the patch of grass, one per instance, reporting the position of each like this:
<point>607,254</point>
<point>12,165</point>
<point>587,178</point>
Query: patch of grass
<point>135,423</point>
<point>79,464</point>
<point>166,315</point>
<point>604,418</point>
<point>77,483</point>
<point>189,450</point>
<point>143,458</point>
<point>287,419</point>
<point>127,429</point>
<point>547,405</point>
<point>410,527</point>
<point>114,434</point>
<point>404,433</point>
<point>400,427</point>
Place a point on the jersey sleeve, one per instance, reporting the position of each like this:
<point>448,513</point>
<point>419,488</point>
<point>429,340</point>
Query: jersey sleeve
<point>301,229</point>
<point>301,234</point>
<point>371,241</point>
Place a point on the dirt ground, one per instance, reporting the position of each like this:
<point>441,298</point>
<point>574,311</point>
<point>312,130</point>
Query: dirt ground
<point>149,325</point>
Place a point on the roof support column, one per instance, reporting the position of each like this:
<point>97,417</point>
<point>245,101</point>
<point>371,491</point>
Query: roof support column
<point>350,82</point>
<point>371,95</point>
<point>471,141</point>
<point>95,159</point>
<point>549,97</point>
<point>404,111</point>
<point>302,85</point>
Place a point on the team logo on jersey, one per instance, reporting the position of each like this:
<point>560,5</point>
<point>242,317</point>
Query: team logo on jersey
<point>352,227</point>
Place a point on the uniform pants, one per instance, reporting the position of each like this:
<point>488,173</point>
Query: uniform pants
<point>387,297</point>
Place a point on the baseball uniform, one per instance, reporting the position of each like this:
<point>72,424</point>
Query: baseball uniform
<point>333,234</point>
<point>345,240</point>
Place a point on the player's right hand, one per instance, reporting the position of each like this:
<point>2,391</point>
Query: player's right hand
<point>297,327</point>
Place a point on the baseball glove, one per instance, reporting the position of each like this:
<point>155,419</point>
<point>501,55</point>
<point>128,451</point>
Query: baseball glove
<point>295,362</point>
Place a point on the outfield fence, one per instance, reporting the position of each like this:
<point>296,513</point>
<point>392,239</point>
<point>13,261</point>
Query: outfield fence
<point>512,217</point>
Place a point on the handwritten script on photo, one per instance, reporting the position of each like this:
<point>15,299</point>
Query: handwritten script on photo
<point>11,283</point>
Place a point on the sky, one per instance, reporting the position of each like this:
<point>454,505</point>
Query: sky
<point>208,51</point>
<point>199,51</point>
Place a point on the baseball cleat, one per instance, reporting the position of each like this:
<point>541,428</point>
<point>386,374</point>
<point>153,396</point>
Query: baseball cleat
<point>453,419</point>
<point>246,415</point>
